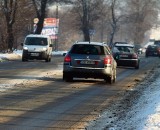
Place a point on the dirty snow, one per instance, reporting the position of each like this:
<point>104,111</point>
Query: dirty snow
<point>138,110</point>
<point>17,55</point>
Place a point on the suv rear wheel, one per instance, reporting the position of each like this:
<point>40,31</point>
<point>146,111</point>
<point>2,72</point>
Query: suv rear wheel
<point>137,66</point>
<point>112,78</point>
<point>109,79</point>
<point>67,78</point>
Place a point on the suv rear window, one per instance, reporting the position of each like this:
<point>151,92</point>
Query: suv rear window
<point>157,43</point>
<point>152,47</point>
<point>87,49</point>
<point>124,49</point>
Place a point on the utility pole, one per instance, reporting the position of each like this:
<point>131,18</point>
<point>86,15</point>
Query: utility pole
<point>56,37</point>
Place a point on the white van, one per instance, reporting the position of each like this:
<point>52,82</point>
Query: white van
<point>38,47</point>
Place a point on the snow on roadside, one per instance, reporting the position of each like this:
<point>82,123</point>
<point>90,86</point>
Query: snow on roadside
<point>139,110</point>
<point>17,55</point>
<point>10,56</point>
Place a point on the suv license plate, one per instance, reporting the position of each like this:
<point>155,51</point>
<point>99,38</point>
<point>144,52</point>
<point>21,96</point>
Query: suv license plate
<point>87,62</point>
<point>124,56</point>
<point>34,54</point>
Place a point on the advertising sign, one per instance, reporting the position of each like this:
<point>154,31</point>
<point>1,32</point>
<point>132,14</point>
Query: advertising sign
<point>50,27</point>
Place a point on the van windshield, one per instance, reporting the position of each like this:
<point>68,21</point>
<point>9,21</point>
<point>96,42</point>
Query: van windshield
<point>36,41</point>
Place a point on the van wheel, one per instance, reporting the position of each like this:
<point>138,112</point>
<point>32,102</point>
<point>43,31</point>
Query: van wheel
<point>115,73</point>
<point>50,59</point>
<point>47,59</point>
<point>24,59</point>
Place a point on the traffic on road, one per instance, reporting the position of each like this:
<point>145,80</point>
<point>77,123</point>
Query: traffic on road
<point>37,97</point>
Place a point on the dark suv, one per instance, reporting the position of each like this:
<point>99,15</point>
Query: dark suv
<point>89,60</point>
<point>153,50</point>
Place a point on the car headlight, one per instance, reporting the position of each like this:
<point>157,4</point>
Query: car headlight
<point>44,48</point>
<point>25,48</point>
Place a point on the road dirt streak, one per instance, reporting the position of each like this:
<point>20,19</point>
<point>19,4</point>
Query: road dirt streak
<point>47,102</point>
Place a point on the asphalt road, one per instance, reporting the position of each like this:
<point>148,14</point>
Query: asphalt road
<point>38,99</point>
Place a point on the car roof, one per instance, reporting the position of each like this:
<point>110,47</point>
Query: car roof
<point>152,45</point>
<point>38,35</point>
<point>92,43</point>
<point>128,45</point>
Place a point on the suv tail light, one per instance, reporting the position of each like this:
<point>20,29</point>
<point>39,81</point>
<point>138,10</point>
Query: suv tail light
<point>134,56</point>
<point>108,60</point>
<point>67,58</point>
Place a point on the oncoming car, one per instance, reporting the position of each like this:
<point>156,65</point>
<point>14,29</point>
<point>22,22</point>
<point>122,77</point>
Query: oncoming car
<point>37,47</point>
<point>125,55</point>
<point>89,60</point>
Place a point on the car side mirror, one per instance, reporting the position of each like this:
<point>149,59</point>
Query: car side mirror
<point>50,45</point>
<point>64,54</point>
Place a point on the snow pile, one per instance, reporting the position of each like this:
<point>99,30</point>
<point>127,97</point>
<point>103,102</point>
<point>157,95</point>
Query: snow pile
<point>18,54</point>
<point>10,56</point>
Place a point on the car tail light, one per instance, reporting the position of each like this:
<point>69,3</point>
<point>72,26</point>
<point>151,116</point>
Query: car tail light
<point>78,61</point>
<point>96,62</point>
<point>108,60</point>
<point>67,58</point>
<point>134,56</point>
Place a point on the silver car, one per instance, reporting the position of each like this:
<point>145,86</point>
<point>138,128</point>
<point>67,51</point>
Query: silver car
<point>89,60</point>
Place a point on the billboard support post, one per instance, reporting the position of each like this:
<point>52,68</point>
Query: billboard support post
<point>56,39</point>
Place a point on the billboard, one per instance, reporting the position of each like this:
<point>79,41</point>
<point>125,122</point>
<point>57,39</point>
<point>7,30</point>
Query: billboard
<point>50,27</point>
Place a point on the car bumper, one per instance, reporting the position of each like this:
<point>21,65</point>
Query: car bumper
<point>34,55</point>
<point>87,72</point>
<point>152,54</point>
<point>126,62</point>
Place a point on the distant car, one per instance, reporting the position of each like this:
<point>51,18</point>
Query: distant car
<point>38,47</point>
<point>153,50</point>
<point>125,55</point>
<point>89,60</point>
<point>138,48</point>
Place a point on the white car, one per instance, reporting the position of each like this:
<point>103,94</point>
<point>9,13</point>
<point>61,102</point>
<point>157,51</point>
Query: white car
<point>37,47</point>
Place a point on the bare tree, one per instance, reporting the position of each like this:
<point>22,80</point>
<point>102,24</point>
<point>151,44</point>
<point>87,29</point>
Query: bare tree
<point>142,16</point>
<point>115,17</point>
<point>24,21</point>
<point>86,13</point>
<point>40,8</point>
<point>9,8</point>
